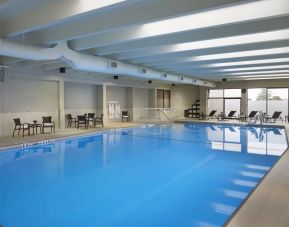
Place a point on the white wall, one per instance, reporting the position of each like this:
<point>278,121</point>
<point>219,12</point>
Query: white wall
<point>29,100</point>
<point>182,97</point>
<point>82,98</point>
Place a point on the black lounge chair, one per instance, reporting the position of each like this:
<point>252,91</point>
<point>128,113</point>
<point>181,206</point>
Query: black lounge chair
<point>230,116</point>
<point>19,126</point>
<point>275,116</point>
<point>98,120</point>
<point>48,123</point>
<point>71,120</point>
<point>124,115</point>
<point>82,120</point>
<point>252,114</point>
<point>211,114</point>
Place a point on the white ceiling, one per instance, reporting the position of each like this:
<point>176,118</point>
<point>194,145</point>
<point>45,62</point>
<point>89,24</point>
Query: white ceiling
<point>208,39</point>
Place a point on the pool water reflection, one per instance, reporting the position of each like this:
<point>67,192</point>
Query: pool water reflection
<point>171,175</point>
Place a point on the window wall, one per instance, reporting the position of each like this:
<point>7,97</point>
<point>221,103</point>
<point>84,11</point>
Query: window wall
<point>268,100</point>
<point>224,100</point>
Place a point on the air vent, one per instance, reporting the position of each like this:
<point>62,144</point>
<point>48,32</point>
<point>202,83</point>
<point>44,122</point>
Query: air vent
<point>113,64</point>
<point>143,70</point>
<point>115,77</point>
<point>149,81</point>
<point>62,70</point>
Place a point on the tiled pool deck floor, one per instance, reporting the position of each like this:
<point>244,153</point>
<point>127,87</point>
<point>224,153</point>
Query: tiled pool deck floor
<point>267,206</point>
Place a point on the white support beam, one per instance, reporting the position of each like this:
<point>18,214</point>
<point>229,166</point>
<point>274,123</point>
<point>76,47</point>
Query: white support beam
<point>223,16</point>
<point>134,14</point>
<point>52,13</point>
<point>236,43</point>
<point>252,27</point>
<point>210,51</point>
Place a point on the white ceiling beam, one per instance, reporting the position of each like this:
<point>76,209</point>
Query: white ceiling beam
<point>263,39</point>
<point>197,64</point>
<point>210,51</point>
<point>52,13</point>
<point>141,12</point>
<point>268,24</point>
<point>223,16</point>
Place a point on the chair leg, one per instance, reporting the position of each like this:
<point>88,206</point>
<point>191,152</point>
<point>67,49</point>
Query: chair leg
<point>14,132</point>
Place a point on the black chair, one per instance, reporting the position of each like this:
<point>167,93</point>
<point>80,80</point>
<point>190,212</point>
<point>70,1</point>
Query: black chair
<point>252,114</point>
<point>82,120</point>
<point>90,118</point>
<point>211,114</point>
<point>99,120</point>
<point>48,123</point>
<point>19,126</point>
<point>275,116</point>
<point>71,120</point>
<point>124,115</point>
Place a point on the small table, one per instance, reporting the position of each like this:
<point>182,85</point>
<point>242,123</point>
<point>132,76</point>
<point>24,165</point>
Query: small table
<point>242,118</point>
<point>34,127</point>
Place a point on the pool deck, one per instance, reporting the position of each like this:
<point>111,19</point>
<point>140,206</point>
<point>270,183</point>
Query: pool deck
<point>10,142</point>
<point>267,206</point>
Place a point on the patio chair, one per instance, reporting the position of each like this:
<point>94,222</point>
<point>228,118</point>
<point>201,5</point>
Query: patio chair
<point>71,120</point>
<point>82,120</point>
<point>90,118</point>
<point>48,123</point>
<point>211,114</point>
<point>124,115</point>
<point>19,126</point>
<point>98,120</point>
<point>275,116</point>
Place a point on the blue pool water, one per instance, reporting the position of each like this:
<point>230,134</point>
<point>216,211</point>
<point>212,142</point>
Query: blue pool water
<point>171,175</point>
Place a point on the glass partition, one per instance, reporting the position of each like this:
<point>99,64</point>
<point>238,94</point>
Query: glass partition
<point>277,101</point>
<point>257,100</point>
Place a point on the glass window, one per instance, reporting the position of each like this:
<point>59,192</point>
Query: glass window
<point>257,100</point>
<point>232,105</point>
<point>232,93</point>
<point>277,101</point>
<point>216,93</point>
<point>215,104</point>
<point>163,99</point>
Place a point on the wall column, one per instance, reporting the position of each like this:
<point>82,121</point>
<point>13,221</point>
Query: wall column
<point>61,110</point>
<point>203,99</point>
<point>104,104</point>
<point>244,101</point>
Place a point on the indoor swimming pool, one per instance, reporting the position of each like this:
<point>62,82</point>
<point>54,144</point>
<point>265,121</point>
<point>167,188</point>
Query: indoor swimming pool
<point>167,175</point>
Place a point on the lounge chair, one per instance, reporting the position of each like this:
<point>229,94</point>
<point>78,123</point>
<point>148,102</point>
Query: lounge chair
<point>275,116</point>
<point>48,123</point>
<point>230,116</point>
<point>82,120</point>
<point>71,120</point>
<point>211,114</point>
<point>252,114</point>
<point>124,115</point>
<point>19,126</point>
<point>98,120</point>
